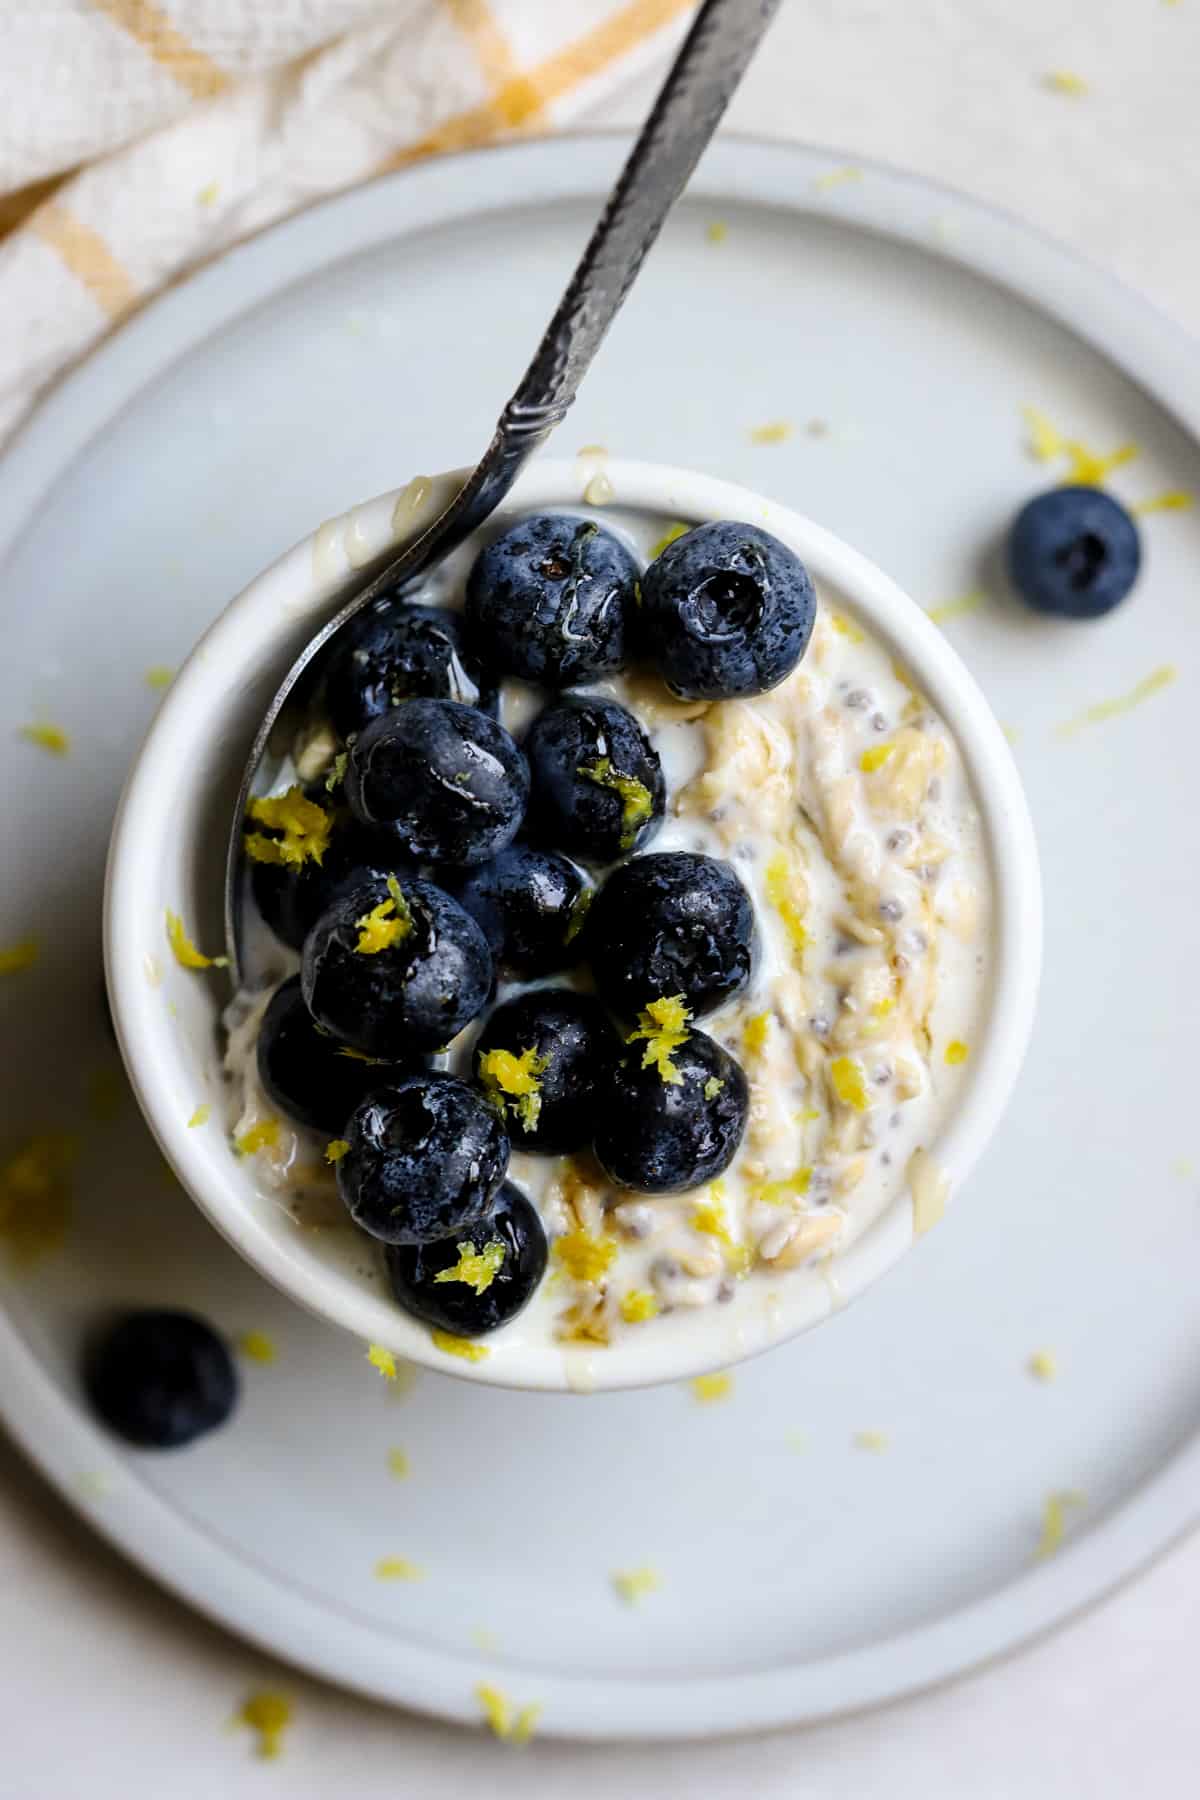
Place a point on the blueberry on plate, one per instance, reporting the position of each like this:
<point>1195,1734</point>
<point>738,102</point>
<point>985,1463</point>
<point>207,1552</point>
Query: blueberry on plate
<point>394,969</point>
<point>396,650</point>
<point>423,1160</point>
<point>476,1279</point>
<point>446,780</point>
<point>292,894</point>
<point>598,789</point>
<point>530,905</point>
<point>726,610</point>
<point>1074,552</point>
<point>542,1061</point>
<point>672,922</point>
<point>549,600</point>
<point>310,1075</point>
<point>161,1379</point>
<point>676,1107</point>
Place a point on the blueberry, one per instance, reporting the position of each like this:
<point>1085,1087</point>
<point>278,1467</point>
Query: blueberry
<point>446,780</point>
<point>598,789</point>
<point>671,923</point>
<point>292,896</point>
<point>424,1160</point>
<point>397,650</point>
<point>309,1075</point>
<point>542,1060</point>
<point>549,600</point>
<point>675,1120</point>
<point>1075,552</point>
<point>726,610</point>
<point>161,1379</point>
<point>486,1292</point>
<point>395,978</point>
<point>530,906</point>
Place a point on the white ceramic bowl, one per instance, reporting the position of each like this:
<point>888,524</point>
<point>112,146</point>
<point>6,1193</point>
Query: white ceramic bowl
<point>168,853</point>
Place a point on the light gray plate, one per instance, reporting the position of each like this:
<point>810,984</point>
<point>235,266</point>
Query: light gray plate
<point>374,337</point>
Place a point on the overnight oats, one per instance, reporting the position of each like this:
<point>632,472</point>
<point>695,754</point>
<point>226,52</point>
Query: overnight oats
<point>631,917</point>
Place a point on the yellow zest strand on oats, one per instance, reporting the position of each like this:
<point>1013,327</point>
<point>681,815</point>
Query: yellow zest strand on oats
<point>398,1568</point>
<point>476,1269</point>
<point>335,1149</point>
<point>790,1187</point>
<point>632,1585</point>
<point>512,1727</point>
<point>754,1034</point>
<point>386,924</point>
<point>1104,710</point>
<point>848,1082</point>
<point>781,883</point>
<point>708,1389</point>
<point>263,1136</point>
<point>258,1347</point>
<point>301,825</point>
<point>776,431</point>
<point>201,1116</point>
<point>708,1218</point>
<point>19,956</point>
<point>47,737</point>
<point>846,628</point>
<point>269,1714</point>
<point>465,1348</point>
<point>637,802</point>
<point>584,1257</point>
<point>875,757</point>
<point>1054,1520</point>
<point>957,1053</point>
<point>671,535</point>
<point>35,1197</point>
<point>185,952</point>
<point>663,1026</point>
<point>513,1083</point>
<point>638,1305</point>
<point>382,1359</point>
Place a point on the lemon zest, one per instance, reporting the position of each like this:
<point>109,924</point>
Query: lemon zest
<point>476,1269</point>
<point>35,1196</point>
<point>957,1052</point>
<point>337,773</point>
<point>875,757</point>
<point>514,1082</point>
<point>1089,468</point>
<point>776,431</point>
<point>459,1346</point>
<point>201,1115</point>
<point>707,1390</point>
<point>708,1218</point>
<point>846,628</point>
<point>1064,81</point>
<point>1043,1365</point>
<point>632,1585</point>
<point>262,1136</point>
<point>584,1257</point>
<point>398,1568</point>
<point>837,177</point>
<point>957,609</point>
<point>397,1463</point>
<point>789,1187</point>
<point>386,924</point>
<point>1103,710</point>
<point>638,1305</point>
<point>754,1036</point>
<point>675,530</point>
<point>47,737</point>
<point>848,1082</point>
<point>185,952</point>
<point>19,956</point>
<point>663,1026</point>
<point>303,829</point>
<point>159,676</point>
<point>712,1087</point>
<point>779,880</point>
<point>1054,1519</point>
<point>874,1441</point>
<point>1174,500</point>
<point>258,1347</point>
<point>381,1358</point>
<point>269,1714</point>
<point>637,802</point>
<point>335,1149</point>
<point>579,913</point>
<point>511,1727</point>
<point>716,231</point>
<point>1045,440</point>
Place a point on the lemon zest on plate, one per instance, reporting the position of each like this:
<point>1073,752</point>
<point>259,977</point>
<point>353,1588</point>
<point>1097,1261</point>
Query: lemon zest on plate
<point>184,950</point>
<point>268,1714</point>
<point>466,1348</point>
<point>707,1390</point>
<point>47,737</point>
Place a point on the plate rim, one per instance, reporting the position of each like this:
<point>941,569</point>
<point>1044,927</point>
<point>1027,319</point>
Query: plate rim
<point>215,1577</point>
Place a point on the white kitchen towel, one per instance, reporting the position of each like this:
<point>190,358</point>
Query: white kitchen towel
<point>188,124</point>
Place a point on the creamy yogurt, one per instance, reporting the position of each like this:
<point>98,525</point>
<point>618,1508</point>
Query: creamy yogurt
<point>841,800</point>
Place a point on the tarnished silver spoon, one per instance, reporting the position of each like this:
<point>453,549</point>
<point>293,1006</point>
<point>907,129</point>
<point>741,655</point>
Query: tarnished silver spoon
<point>708,68</point>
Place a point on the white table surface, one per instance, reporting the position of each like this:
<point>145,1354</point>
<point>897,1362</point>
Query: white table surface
<point>109,1688</point>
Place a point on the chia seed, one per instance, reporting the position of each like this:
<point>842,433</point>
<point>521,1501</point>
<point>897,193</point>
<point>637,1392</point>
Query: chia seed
<point>891,909</point>
<point>858,698</point>
<point>899,839</point>
<point>878,722</point>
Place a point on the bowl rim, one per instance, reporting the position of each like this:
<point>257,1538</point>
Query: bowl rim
<point>259,616</point>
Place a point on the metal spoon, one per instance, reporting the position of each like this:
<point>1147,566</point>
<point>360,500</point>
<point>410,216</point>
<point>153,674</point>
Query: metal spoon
<point>708,68</point>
